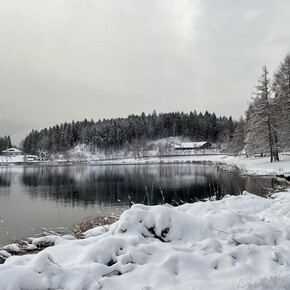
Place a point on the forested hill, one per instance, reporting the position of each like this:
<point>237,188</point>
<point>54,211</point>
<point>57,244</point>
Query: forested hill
<point>115,133</point>
<point>5,143</point>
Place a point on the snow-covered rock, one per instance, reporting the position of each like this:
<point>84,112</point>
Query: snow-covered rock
<point>12,248</point>
<point>240,242</point>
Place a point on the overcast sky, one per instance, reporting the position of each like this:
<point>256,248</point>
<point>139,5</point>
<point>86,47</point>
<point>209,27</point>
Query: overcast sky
<point>64,60</point>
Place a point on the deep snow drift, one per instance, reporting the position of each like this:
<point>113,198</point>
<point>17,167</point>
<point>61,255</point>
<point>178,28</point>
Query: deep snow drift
<point>240,242</point>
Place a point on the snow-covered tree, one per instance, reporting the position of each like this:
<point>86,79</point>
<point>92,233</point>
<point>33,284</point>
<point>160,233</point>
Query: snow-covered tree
<point>5,143</point>
<point>115,134</point>
<point>281,88</point>
<point>260,121</point>
<point>238,141</point>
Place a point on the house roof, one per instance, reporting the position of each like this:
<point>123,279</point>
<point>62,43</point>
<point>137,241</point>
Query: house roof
<point>11,150</point>
<point>191,144</point>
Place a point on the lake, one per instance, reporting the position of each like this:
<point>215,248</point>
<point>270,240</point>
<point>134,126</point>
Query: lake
<point>36,197</point>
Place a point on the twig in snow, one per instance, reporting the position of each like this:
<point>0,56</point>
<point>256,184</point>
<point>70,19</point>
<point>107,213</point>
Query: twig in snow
<point>220,231</point>
<point>129,197</point>
<point>181,201</point>
<point>53,262</point>
<point>101,286</point>
<point>113,273</point>
<point>131,258</point>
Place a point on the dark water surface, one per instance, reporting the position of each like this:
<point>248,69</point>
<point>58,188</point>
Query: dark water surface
<point>54,196</point>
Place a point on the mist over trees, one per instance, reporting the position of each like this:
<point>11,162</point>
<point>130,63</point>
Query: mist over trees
<point>5,143</point>
<point>266,129</point>
<point>114,134</point>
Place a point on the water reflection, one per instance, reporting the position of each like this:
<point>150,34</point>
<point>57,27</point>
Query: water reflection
<point>85,185</point>
<point>44,196</point>
<point>5,179</point>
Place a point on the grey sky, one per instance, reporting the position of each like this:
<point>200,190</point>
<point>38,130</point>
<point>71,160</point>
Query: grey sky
<point>73,59</point>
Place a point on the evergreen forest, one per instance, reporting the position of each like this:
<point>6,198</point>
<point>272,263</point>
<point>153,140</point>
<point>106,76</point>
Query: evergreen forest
<point>116,133</point>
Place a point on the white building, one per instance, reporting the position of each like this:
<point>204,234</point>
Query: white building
<point>43,155</point>
<point>31,157</point>
<point>193,146</point>
<point>12,152</point>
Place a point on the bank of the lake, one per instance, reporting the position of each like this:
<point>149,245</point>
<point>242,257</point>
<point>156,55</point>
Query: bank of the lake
<point>204,245</point>
<point>260,166</point>
<point>246,165</point>
<point>66,190</point>
<point>37,197</point>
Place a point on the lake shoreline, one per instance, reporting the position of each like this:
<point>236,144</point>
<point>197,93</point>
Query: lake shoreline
<point>215,235</point>
<point>255,166</point>
<point>226,167</point>
<point>36,244</point>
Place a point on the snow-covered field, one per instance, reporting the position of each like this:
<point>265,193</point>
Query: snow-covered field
<point>260,165</point>
<point>240,242</point>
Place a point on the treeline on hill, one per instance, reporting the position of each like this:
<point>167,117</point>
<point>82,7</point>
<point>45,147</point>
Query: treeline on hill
<point>266,127</point>
<point>5,143</point>
<point>117,133</point>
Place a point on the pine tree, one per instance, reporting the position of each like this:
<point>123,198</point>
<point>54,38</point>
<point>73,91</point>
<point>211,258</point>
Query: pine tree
<point>5,143</point>
<point>260,121</point>
<point>281,88</point>
<point>237,144</point>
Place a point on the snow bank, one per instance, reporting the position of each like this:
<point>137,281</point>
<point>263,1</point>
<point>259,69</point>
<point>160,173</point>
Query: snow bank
<point>240,242</point>
<point>249,166</point>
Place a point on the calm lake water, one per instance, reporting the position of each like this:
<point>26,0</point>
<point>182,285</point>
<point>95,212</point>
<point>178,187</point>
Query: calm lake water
<point>34,197</point>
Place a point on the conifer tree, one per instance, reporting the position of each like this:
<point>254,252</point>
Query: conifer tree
<point>281,88</point>
<point>260,134</point>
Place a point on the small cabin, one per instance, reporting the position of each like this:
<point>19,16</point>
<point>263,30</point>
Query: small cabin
<point>31,157</point>
<point>12,152</point>
<point>193,146</point>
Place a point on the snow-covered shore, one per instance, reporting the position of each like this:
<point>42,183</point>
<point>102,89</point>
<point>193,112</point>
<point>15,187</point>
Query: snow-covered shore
<point>239,242</point>
<point>247,166</point>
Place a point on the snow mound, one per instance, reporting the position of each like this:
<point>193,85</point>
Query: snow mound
<point>240,242</point>
<point>12,248</point>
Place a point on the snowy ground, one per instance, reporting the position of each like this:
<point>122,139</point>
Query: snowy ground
<point>240,242</point>
<point>11,159</point>
<point>249,166</point>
